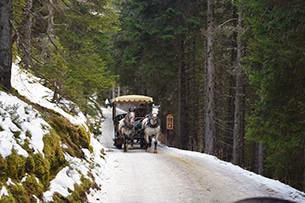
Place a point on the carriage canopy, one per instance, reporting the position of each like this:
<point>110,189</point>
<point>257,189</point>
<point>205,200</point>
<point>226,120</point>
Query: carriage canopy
<point>132,99</point>
<point>121,104</point>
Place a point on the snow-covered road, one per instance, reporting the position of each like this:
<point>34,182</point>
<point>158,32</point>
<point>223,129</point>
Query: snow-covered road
<point>175,175</point>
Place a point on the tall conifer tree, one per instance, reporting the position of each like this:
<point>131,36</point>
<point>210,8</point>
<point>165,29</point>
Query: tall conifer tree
<point>276,65</point>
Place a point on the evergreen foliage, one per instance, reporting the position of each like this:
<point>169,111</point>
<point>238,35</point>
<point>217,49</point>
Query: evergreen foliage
<point>276,66</point>
<point>147,43</point>
<point>166,40</point>
<point>33,186</point>
<point>67,45</point>
<point>15,166</point>
<point>158,42</point>
<point>54,152</point>
<point>84,33</point>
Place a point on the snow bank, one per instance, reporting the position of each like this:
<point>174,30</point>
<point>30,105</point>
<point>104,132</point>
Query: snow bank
<point>29,86</point>
<point>18,119</point>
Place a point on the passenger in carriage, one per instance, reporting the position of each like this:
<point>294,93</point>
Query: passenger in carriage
<point>140,113</point>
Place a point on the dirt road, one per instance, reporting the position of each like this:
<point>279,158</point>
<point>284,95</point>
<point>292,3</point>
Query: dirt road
<point>173,175</point>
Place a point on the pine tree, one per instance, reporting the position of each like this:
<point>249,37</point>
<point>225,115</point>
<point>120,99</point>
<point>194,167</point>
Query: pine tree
<point>163,39</point>
<point>275,65</point>
<point>66,43</point>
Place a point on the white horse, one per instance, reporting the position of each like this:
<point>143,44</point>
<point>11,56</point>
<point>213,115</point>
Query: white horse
<point>126,129</point>
<point>151,127</point>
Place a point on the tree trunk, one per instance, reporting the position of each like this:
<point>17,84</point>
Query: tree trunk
<point>179,97</point>
<point>304,169</point>
<point>5,44</point>
<point>50,20</point>
<point>184,133</point>
<point>201,104</point>
<point>239,101</point>
<point>27,34</point>
<point>210,83</point>
<point>49,38</point>
<point>260,158</point>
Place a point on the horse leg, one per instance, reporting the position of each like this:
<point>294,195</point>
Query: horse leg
<point>131,141</point>
<point>156,143</point>
<point>125,144</point>
<point>147,142</point>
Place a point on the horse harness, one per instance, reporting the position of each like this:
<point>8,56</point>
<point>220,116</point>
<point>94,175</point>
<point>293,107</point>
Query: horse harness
<point>128,125</point>
<point>152,125</point>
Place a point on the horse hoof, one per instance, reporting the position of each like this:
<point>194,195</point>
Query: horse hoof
<point>155,152</point>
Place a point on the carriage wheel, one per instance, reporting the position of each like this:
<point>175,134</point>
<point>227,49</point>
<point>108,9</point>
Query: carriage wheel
<point>119,146</point>
<point>142,143</point>
<point>118,143</point>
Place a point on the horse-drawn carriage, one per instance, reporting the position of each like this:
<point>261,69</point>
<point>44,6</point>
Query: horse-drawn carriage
<point>127,128</point>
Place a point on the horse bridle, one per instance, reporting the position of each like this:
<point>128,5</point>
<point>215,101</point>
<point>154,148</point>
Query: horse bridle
<point>151,117</point>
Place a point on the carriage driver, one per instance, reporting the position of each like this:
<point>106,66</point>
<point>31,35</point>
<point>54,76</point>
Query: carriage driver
<point>140,112</point>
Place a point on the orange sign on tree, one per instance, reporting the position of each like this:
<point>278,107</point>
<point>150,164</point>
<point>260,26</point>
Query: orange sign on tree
<point>169,122</point>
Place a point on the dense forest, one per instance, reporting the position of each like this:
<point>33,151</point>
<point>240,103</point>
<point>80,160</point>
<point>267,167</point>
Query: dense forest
<point>231,72</point>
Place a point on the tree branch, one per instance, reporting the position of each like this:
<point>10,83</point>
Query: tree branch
<point>227,21</point>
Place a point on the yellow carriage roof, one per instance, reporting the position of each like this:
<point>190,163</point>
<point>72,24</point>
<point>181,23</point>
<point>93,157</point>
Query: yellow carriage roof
<point>133,98</point>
